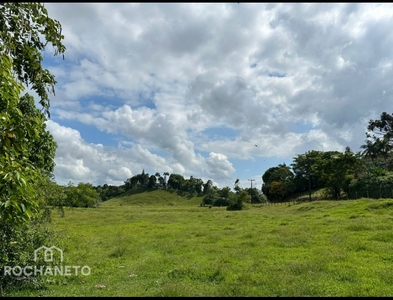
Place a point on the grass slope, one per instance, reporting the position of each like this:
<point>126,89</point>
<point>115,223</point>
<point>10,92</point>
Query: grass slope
<point>173,247</point>
<point>160,197</point>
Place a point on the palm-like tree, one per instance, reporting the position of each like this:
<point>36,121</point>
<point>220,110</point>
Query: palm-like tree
<point>383,148</point>
<point>370,150</point>
<point>165,176</point>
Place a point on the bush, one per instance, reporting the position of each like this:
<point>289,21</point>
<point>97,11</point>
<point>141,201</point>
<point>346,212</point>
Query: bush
<point>17,249</point>
<point>210,197</point>
<point>221,201</point>
<point>236,202</point>
<point>82,195</point>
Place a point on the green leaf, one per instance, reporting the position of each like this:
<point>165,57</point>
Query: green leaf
<point>26,150</point>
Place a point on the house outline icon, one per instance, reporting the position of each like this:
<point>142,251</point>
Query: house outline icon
<point>48,253</point>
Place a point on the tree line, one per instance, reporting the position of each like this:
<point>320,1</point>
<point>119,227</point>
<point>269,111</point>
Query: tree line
<point>365,173</point>
<point>213,196</point>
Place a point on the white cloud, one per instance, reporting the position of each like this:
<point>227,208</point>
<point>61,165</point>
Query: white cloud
<point>218,166</point>
<point>289,77</point>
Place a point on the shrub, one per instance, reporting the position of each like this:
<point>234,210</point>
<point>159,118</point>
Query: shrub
<point>236,202</point>
<point>17,249</point>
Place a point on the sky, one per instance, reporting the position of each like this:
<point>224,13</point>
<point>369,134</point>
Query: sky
<point>217,91</point>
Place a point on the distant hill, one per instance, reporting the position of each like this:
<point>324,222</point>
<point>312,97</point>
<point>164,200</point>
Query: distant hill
<point>159,197</point>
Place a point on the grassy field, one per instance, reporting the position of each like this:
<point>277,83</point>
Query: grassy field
<point>161,244</point>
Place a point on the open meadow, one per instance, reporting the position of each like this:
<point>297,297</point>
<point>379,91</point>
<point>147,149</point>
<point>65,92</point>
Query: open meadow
<point>161,244</point>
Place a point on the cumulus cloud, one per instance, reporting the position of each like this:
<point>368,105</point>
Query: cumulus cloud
<point>218,166</point>
<point>79,161</point>
<point>289,77</point>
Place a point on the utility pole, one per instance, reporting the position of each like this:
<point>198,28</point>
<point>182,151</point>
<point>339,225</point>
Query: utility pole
<point>251,181</point>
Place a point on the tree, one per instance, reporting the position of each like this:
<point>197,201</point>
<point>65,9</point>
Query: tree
<point>82,195</point>
<point>109,191</point>
<point>381,131</point>
<point>42,146</point>
<point>198,184</point>
<point>144,178</point>
<point>187,186</point>
<point>375,149</point>
<point>255,194</point>
<point>382,127</point>
<point>370,150</point>
<point>337,170</point>
<point>277,191</point>
<point>225,192</point>
<point>237,201</point>
<point>152,181</point>
<point>237,187</point>
<point>374,186</point>
<point>175,181</point>
<point>165,176</point>
<point>383,149</point>
<point>160,179</point>
<point>282,173</point>
<point>25,31</point>
<point>207,186</point>
<point>132,182</point>
<point>193,185</point>
<point>53,194</point>
<point>224,195</point>
<point>210,196</point>
<point>302,166</point>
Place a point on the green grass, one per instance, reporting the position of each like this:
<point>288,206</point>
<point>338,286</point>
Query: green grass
<point>144,198</point>
<point>161,244</point>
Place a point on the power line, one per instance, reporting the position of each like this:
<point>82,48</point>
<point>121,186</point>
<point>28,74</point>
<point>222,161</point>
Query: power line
<point>251,181</point>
